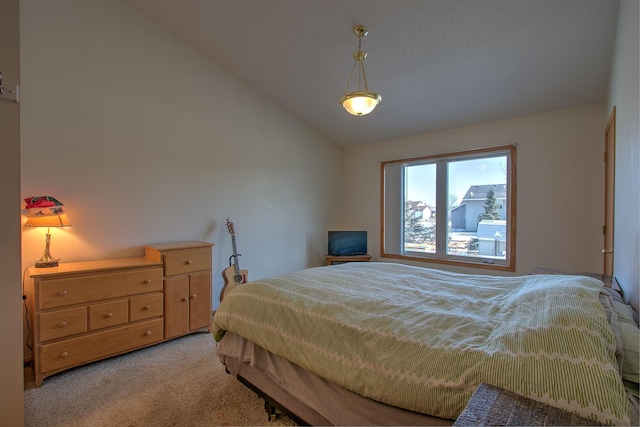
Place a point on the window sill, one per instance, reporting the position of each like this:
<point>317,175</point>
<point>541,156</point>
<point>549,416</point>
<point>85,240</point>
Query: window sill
<point>469,264</point>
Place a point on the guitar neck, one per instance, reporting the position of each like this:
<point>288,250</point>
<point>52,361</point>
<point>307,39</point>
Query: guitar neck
<point>236,263</point>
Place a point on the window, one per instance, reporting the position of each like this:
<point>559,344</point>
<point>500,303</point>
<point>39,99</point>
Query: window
<point>456,208</point>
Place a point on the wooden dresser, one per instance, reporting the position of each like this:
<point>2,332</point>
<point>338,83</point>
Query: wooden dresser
<point>86,311</point>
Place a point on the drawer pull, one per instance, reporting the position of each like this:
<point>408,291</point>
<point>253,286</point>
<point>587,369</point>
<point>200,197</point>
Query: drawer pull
<point>63,292</point>
<point>108,315</point>
<point>148,333</point>
<point>188,262</point>
<point>64,354</point>
<point>186,299</point>
<point>63,324</point>
<point>146,282</point>
<point>147,307</point>
<point>193,296</point>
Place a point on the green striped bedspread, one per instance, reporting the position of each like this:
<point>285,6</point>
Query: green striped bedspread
<point>423,339</point>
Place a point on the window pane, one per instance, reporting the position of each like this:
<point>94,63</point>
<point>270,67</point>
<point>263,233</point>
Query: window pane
<point>477,195</point>
<point>420,208</point>
<point>474,191</point>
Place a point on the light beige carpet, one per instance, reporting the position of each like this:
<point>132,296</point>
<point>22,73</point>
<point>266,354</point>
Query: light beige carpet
<point>176,383</point>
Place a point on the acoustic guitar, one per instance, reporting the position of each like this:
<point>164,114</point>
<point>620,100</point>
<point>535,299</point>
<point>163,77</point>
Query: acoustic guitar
<point>232,275</point>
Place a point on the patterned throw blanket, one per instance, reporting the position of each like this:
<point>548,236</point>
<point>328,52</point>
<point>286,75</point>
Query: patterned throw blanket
<point>423,339</point>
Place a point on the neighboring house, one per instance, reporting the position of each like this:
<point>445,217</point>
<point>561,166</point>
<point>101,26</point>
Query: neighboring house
<point>464,217</point>
<point>420,209</point>
<point>492,237</point>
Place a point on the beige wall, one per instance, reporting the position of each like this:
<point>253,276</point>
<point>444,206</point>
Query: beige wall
<point>147,141</point>
<point>624,95</point>
<point>11,373</point>
<point>559,183</point>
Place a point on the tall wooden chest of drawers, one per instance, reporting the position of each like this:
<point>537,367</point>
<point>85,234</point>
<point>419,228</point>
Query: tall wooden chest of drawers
<point>187,285</point>
<point>86,311</point>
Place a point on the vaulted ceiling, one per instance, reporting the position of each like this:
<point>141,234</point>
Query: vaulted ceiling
<point>438,64</point>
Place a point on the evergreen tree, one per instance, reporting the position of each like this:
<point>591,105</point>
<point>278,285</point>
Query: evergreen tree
<point>491,209</point>
<point>414,229</point>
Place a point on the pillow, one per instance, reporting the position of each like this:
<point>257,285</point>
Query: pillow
<point>630,337</point>
<point>616,295</point>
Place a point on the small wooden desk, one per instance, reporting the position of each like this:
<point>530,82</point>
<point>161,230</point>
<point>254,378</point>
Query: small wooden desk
<point>333,260</point>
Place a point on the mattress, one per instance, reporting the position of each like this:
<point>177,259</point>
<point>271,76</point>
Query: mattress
<point>422,339</point>
<point>308,398</point>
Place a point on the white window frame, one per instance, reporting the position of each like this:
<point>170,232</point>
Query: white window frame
<point>392,209</point>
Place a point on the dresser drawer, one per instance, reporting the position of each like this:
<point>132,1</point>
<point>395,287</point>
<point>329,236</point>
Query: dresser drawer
<point>187,261</point>
<point>145,307</point>
<point>75,351</point>
<point>63,323</point>
<point>108,314</point>
<point>81,289</point>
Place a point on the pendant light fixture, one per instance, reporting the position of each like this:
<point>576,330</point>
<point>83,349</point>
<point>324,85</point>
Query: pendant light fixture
<point>359,102</point>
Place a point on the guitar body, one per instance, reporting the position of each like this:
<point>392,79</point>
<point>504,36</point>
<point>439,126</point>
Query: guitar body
<point>231,279</point>
<point>232,275</point>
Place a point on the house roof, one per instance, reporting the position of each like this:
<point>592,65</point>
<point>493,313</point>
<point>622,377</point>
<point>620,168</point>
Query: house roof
<point>479,192</point>
<point>438,64</point>
<point>416,205</point>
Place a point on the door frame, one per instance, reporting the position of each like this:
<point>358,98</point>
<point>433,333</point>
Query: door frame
<point>609,193</point>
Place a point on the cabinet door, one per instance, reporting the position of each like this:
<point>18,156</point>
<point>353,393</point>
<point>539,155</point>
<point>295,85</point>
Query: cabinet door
<point>200,296</point>
<point>176,306</point>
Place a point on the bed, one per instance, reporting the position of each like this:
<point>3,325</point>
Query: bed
<point>386,343</point>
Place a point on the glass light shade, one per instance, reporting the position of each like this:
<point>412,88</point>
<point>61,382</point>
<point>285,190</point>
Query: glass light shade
<point>360,103</point>
<point>48,221</point>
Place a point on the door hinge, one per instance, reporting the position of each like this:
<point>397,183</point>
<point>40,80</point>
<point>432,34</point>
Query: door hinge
<point>8,91</point>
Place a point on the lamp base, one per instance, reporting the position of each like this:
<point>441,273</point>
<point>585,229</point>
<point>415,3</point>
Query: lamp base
<point>46,264</point>
<point>47,260</point>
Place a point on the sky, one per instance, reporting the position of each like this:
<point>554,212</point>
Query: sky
<point>462,174</point>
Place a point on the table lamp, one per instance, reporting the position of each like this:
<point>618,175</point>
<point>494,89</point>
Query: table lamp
<point>45,211</point>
